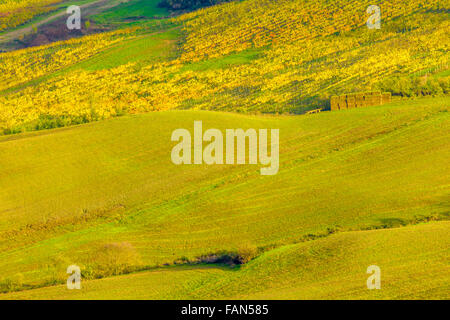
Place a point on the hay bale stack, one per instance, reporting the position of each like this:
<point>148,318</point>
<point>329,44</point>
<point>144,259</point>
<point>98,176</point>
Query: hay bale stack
<point>386,97</point>
<point>367,99</point>
<point>334,103</point>
<point>370,99</point>
<point>359,100</point>
<point>342,103</point>
<point>351,101</point>
<point>376,98</point>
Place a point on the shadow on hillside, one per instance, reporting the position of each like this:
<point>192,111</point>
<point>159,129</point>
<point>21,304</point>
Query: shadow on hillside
<point>301,105</point>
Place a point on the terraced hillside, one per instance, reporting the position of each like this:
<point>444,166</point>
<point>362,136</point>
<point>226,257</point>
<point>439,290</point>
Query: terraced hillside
<point>16,12</point>
<point>286,67</point>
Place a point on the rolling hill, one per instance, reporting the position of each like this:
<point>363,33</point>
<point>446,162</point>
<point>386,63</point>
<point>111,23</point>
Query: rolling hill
<point>76,191</point>
<point>279,64</point>
<point>86,176</point>
<point>331,268</point>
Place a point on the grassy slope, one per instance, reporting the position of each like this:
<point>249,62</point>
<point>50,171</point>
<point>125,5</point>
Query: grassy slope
<point>64,193</point>
<point>116,13</point>
<point>144,50</point>
<point>132,10</point>
<point>76,188</point>
<point>287,77</point>
<point>55,8</point>
<point>147,48</point>
<point>413,262</point>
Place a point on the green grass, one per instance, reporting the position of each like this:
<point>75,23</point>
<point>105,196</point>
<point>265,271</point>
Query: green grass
<point>243,57</point>
<point>442,74</point>
<point>144,50</point>
<point>132,10</point>
<point>413,263</point>
<point>56,7</point>
<point>76,189</point>
<point>355,188</point>
<point>149,47</point>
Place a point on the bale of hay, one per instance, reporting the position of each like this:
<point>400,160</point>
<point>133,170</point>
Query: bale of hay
<point>334,103</point>
<point>367,99</point>
<point>386,97</point>
<point>351,101</point>
<point>376,98</point>
<point>342,103</point>
<point>359,100</point>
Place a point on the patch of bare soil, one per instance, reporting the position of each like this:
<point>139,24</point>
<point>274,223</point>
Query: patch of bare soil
<point>53,28</point>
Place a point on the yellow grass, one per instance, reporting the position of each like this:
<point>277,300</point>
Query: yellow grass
<point>78,189</point>
<point>286,73</point>
<point>413,262</point>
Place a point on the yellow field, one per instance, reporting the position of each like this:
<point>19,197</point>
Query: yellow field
<point>237,26</point>
<point>22,66</point>
<point>86,176</point>
<point>16,12</point>
<point>277,77</point>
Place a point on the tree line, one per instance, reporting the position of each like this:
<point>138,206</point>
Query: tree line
<point>188,4</point>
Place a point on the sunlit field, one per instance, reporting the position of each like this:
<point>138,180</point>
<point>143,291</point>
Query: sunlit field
<point>87,179</point>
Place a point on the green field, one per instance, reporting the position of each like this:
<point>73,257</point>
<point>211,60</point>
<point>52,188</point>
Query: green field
<point>76,190</point>
<point>55,8</point>
<point>134,10</point>
<point>86,176</point>
<point>142,51</point>
<point>331,268</point>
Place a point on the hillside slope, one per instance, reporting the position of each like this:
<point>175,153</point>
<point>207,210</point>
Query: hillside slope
<point>413,262</point>
<point>277,63</point>
<point>76,190</point>
<point>17,12</point>
<point>354,188</point>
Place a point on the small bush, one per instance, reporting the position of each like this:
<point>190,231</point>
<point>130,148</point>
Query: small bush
<point>111,259</point>
<point>246,253</point>
<point>416,86</point>
<point>188,4</point>
<point>242,255</point>
<point>11,284</point>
